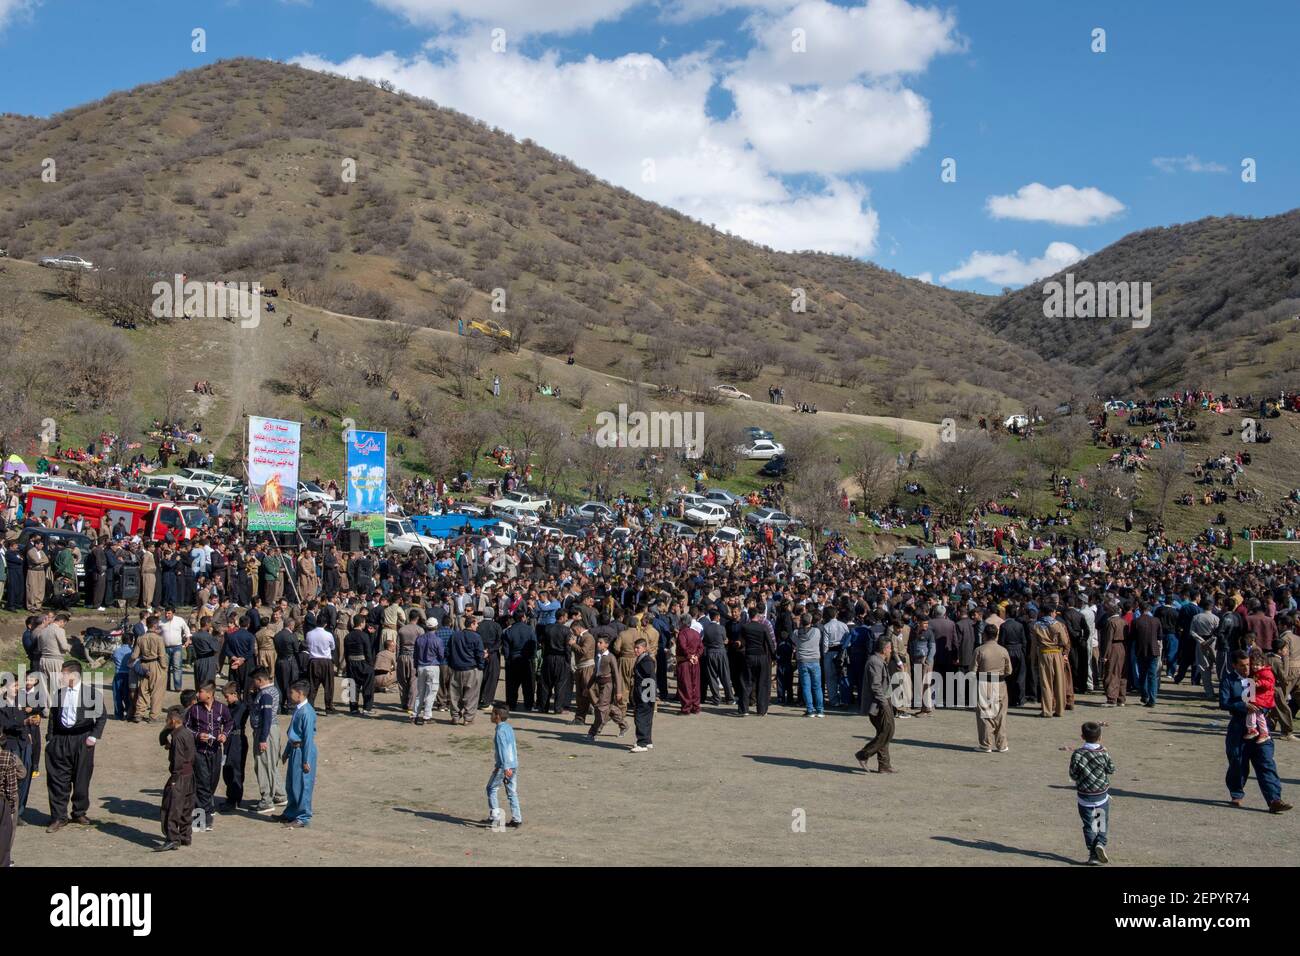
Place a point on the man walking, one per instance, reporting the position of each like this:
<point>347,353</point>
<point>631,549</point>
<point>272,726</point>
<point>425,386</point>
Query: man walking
<point>878,705</point>
<point>606,689</point>
<point>1236,696</point>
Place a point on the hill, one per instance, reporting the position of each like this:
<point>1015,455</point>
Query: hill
<point>1226,296</point>
<point>236,171</point>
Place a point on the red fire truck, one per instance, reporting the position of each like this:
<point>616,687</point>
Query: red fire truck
<point>151,518</point>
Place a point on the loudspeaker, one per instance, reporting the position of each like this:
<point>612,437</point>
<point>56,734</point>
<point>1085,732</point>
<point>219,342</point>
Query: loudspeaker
<point>352,540</point>
<point>131,583</point>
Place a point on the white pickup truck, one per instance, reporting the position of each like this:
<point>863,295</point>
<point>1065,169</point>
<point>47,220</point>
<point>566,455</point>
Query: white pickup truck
<point>402,538</point>
<point>522,501</point>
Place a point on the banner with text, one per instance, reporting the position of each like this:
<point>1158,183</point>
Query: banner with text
<point>367,482</point>
<point>274,452</point>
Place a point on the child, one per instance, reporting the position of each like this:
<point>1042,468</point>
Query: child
<point>1262,682</point>
<point>1090,769</point>
<point>300,755</point>
<point>232,771</point>
<point>178,794</point>
<point>506,769</point>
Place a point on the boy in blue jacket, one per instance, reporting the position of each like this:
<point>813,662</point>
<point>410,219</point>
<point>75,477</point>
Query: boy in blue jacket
<point>506,769</point>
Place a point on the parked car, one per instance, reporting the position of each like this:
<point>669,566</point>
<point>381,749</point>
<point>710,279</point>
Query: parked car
<point>403,539</point>
<point>779,520</point>
<point>730,391</point>
<point>688,500</point>
<point>721,496</point>
<point>707,513</point>
<point>4,254</point>
<point>728,535</point>
<point>310,491</point>
<point>1016,421</point>
<point>676,529</point>
<point>70,263</point>
<point>513,512</point>
<point>761,450</point>
<point>521,501</point>
<point>775,468</point>
<point>754,433</point>
<point>595,511</point>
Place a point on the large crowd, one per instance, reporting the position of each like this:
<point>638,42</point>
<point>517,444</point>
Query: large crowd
<point>594,625</point>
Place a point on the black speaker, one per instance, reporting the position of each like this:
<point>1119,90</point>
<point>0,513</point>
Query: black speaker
<point>354,539</point>
<point>131,582</point>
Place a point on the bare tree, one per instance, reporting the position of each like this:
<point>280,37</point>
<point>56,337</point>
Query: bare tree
<point>815,498</point>
<point>453,298</point>
<point>873,466</point>
<point>1108,501</point>
<point>305,370</point>
<point>965,472</point>
<point>171,390</point>
<point>1168,468</point>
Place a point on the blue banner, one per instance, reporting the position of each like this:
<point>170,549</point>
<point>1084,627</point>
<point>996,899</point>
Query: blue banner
<point>367,473</point>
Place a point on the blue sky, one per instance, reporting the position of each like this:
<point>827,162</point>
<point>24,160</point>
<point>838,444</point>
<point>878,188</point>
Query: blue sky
<point>704,105</point>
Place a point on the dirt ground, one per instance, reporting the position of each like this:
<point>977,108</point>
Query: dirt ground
<point>716,790</point>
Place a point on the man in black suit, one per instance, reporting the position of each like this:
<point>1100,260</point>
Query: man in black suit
<point>643,690</point>
<point>77,721</point>
<point>760,649</point>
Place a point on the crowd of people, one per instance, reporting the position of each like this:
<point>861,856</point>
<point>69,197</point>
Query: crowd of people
<point>600,628</point>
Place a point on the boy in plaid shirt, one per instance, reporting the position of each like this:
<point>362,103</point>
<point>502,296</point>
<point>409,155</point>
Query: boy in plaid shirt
<point>1090,769</point>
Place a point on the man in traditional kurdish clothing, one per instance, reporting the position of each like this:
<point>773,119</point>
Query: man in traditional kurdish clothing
<point>690,651</point>
<point>583,644</point>
<point>607,690</point>
<point>1051,644</point>
<point>178,792</point>
<point>992,668</point>
<point>300,755</point>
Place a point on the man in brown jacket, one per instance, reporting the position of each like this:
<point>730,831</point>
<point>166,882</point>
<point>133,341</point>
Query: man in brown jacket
<point>607,691</point>
<point>150,652</point>
<point>583,645</point>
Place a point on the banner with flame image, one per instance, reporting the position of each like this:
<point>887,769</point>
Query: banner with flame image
<point>274,451</point>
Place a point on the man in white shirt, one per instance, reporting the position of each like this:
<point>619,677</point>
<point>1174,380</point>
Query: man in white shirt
<point>176,637</point>
<point>320,671</point>
<point>77,722</point>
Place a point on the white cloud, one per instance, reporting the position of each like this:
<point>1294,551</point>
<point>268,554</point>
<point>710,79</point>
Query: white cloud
<point>1062,205</point>
<point>1008,269</point>
<point>831,129</point>
<point>521,16</point>
<point>1186,164</point>
<point>880,38</point>
<point>838,219</point>
<point>11,9</point>
<point>926,277</point>
<point>612,116</point>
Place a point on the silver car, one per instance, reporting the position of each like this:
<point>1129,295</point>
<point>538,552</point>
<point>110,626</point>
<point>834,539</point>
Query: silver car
<point>770,516</point>
<point>71,263</point>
